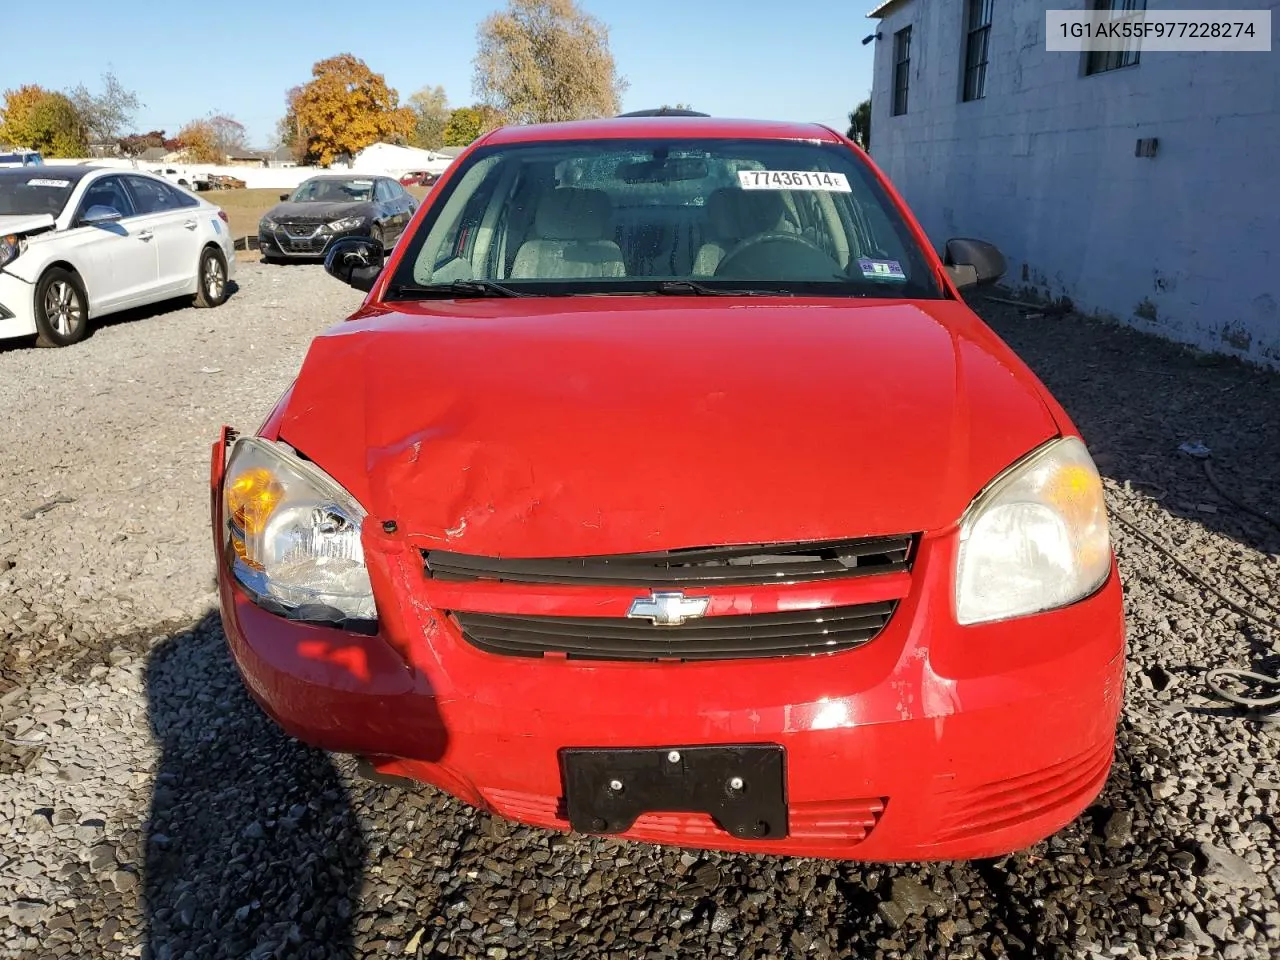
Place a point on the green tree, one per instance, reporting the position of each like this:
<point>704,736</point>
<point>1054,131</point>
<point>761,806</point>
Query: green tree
<point>431,108</point>
<point>860,124</point>
<point>545,60</point>
<point>466,124</point>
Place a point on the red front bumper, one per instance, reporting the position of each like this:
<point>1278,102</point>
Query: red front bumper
<point>933,741</point>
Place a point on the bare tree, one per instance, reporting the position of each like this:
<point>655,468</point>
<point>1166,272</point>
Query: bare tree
<point>108,114</point>
<point>541,61</point>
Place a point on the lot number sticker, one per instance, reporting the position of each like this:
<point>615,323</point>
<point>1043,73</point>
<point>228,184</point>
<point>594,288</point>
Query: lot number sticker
<point>48,183</point>
<point>793,180</point>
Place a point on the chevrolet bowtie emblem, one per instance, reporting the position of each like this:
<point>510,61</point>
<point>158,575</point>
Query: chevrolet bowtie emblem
<point>668,609</point>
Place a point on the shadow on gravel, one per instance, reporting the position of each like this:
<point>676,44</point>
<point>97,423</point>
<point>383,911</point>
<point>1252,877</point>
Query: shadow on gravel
<point>253,849</point>
<point>154,310</point>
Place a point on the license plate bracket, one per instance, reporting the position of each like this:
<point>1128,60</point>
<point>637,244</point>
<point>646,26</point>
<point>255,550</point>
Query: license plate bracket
<point>741,787</point>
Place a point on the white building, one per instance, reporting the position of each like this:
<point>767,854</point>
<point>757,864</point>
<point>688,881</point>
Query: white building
<point>1144,186</point>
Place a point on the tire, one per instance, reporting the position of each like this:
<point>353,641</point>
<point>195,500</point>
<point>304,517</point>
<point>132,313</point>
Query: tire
<point>62,309</point>
<point>379,237</point>
<point>211,279</point>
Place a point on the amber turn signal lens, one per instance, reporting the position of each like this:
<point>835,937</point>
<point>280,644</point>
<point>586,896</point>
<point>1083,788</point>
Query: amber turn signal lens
<point>251,497</point>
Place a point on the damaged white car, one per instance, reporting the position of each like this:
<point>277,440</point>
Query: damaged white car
<point>79,242</point>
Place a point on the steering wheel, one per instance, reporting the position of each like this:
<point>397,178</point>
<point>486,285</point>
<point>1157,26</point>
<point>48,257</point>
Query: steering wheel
<point>778,256</point>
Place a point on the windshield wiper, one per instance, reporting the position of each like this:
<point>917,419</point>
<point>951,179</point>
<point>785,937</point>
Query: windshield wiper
<point>457,288</point>
<point>684,288</point>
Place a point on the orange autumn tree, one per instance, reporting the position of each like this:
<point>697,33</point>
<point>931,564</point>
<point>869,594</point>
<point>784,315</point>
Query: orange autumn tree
<point>44,120</point>
<point>346,107</point>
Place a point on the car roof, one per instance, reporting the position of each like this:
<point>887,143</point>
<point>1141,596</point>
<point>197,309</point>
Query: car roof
<point>662,127</point>
<point>66,171</point>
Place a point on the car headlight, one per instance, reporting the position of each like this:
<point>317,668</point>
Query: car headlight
<point>294,536</point>
<point>1036,539</point>
<point>268,224</point>
<point>347,223</point>
<point>9,250</point>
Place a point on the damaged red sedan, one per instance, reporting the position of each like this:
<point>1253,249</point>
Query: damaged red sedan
<point>665,487</point>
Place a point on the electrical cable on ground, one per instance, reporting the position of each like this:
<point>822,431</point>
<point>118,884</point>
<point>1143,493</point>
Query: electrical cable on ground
<point>1213,481</point>
<point>1213,676</point>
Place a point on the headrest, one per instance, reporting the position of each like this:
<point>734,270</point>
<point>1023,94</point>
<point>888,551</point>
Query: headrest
<point>573,213</point>
<point>738,213</point>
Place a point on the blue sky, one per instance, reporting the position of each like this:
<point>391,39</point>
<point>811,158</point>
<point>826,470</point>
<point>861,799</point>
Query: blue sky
<point>799,60</point>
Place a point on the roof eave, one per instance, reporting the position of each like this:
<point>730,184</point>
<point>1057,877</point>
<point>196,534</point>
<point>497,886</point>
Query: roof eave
<point>880,11</point>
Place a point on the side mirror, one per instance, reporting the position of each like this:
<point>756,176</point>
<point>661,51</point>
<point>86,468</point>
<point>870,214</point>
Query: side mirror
<point>973,262</point>
<point>98,214</point>
<point>356,261</point>
<point>284,197</point>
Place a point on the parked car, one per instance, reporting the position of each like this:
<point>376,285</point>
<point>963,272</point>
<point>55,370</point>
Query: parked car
<point>178,177</point>
<point>21,158</point>
<point>419,178</point>
<point>688,503</point>
<point>326,207</point>
<point>81,242</point>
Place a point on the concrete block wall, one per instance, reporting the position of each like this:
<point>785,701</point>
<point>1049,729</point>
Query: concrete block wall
<point>1185,244</point>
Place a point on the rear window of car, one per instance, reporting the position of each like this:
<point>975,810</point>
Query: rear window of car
<point>616,216</point>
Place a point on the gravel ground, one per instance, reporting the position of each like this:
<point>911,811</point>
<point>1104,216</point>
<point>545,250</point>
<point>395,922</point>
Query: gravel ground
<point>147,808</point>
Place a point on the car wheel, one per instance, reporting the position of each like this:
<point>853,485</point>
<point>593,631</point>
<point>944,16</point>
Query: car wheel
<point>379,237</point>
<point>62,309</point>
<point>211,282</point>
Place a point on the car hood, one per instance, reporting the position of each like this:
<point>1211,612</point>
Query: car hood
<point>606,425</point>
<point>25,223</point>
<point>319,211</point>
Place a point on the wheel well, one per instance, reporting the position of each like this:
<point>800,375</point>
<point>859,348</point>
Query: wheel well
<point>64,265</point>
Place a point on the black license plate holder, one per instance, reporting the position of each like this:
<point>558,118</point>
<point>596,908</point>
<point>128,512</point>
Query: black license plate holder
<point>742,787</point>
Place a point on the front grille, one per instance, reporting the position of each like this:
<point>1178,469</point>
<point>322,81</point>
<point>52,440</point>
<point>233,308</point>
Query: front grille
<point>753,564</point>
<point>733,637</point>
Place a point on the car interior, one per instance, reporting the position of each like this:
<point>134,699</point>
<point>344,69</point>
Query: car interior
<point>596,220</point>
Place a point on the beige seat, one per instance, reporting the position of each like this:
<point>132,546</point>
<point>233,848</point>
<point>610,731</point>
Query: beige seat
<point>571,228</point>
<point>735,215</point>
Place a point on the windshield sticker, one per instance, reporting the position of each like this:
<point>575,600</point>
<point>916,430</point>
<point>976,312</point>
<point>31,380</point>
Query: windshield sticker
<point>881,269</point>
<point>48,183</point>
<point>793,180</point>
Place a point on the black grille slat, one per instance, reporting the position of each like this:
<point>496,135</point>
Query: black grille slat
<point>736,636</point>
<point>711,566</point>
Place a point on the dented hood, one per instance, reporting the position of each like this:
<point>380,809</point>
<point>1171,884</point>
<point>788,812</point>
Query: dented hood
<point>24,223</point>
<point>603,425</point>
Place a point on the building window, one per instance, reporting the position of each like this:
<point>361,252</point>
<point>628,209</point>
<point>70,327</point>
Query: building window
<point>1100,61</point>
<point>975,49</point>
<point>901,69</point>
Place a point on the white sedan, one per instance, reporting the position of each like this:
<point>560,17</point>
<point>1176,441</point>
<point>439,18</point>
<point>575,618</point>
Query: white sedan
<point>81,242</point>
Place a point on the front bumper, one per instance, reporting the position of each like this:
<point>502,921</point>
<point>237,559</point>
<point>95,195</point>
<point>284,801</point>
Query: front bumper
<point>280,243</point>
<point>17,307</point>
<point>931,742</point>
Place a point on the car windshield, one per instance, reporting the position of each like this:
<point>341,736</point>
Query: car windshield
<point>669,216</point>
<point>333,190</point>
<point>27,192</point>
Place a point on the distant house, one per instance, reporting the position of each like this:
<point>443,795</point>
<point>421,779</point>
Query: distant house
<point>247,158</point>
<point>1141,185</point>
<point>154,155</point>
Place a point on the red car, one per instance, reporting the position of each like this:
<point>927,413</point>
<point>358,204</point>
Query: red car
<point>665,487</point>
<point>419,178</point>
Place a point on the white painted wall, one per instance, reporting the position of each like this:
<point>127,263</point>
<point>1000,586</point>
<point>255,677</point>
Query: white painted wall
<point>1185,244</point>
